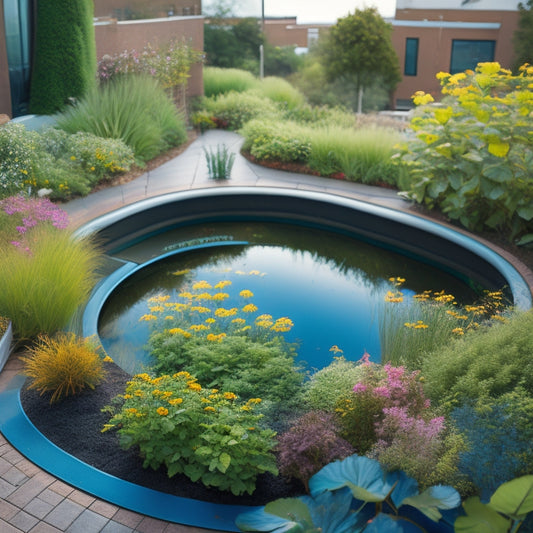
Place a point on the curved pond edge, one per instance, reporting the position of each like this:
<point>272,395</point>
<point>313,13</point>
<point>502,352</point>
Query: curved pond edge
<point>397,229</point>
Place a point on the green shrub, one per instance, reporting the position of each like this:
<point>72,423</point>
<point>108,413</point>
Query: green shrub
<point>471,156</point>
<point>490,361</point>
<point>233,110</point>
<point>41,289</point>
<point>64,365</point>
<point>208,435</point>
<point>267,141</point>
<point>321,116</point>
<point>324,388</point>
<point>17,155</point>
<point>65,54</point>
<point>135,110</point>
<point>281,91</point>
<point>224,80</point>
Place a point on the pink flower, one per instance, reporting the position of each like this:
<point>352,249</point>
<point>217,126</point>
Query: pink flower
<point>359,387</point>
<point>384,392</point>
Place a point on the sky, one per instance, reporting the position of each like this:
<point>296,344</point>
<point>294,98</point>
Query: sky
<point>307,11</point>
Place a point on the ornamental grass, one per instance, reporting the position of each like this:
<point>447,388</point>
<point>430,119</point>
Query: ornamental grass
<point>63,365</point>
<point>44,281</point>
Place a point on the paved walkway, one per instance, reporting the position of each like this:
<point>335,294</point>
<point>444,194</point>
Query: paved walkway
<point>33,501</point>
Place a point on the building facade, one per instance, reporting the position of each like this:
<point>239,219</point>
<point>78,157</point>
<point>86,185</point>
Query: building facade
<point>449,36</point>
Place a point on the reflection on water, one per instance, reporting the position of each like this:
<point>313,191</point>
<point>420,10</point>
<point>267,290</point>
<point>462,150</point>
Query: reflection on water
<point>330,285</point>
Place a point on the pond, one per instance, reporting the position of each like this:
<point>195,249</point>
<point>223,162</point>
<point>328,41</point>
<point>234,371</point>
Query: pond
<point>332,286</point>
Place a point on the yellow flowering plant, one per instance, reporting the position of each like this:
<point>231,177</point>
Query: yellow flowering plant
<point>471,155</point>
<point>206,434</point>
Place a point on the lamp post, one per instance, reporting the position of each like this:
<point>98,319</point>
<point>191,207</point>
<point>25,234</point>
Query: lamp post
<point>261,47</point>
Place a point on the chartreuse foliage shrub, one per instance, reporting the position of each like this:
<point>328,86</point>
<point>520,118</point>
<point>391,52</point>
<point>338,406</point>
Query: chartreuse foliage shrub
<point>46,273</point>
<point>472,155</point>
<point>224,80</point>
<point>281,91</point>
<point>134,109</point>
<point>487,362</point>
<point>383,502</point>
<point>63,365</point>
<point>232,110</point>
<point>207,434</point>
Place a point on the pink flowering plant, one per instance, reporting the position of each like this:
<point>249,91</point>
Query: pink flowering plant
<point>19,215</point>
<point>380,388</point>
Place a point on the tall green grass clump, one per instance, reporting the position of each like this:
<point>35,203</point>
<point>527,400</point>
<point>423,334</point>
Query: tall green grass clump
<point>43,283</point>
<point>224,80</point>
<point>282,92</point>
<point>362,155</point>
<point>134,109</point>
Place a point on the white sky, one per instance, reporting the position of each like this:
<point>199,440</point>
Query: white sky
<point>308,11</point>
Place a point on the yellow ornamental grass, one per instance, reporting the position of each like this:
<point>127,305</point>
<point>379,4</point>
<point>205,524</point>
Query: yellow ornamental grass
<point>63,365</point>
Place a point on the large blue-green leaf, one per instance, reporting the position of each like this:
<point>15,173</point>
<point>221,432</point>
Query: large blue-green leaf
<point>480,518</point>
<point>514,498</point>
<point>363,476</point>
<point>431,500</point>
<point>404,487</point>
<point>332,513</point>
<point>288,515</point>
<point>384,523</point>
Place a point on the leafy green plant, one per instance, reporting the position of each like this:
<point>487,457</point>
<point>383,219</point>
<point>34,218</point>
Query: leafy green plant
<point>471,156</point>
<point>44,281</point>
<point>208,435</point>
<point>219,162</point>
<point>64,365</point>
<point>330,508</point>
<point>504,513</point>
<point>133,109</point>
<point>224,80</point>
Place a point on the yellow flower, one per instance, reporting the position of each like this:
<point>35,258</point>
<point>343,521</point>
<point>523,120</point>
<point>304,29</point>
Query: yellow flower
<point>421,98</point>
<point>194,386</point>
<point>200,309</point>
<point>246,293</point>
<point>210,409</point>
<point>220,296</point>
<point>210,320</point>
<point>175,401</point>
<point>131,410</point>
<point>175,331</point>
<point>249,308</point>
<point>147,318</point>
<point>282,324</point>
<point>489,68</point>
<point>162,411</point>
<point>458,331</point>
<point>230,396</point>
<point>202,285</point>
<point>238,321</point>
<point>335,349</point>
<point>107,359</point>
<point>73,158</point>
<point>222,284</point>
<point>215,338</point>
<point>181,272</point>
<point>221,312</point>
<point>443,115</point>
<point>198,327</point>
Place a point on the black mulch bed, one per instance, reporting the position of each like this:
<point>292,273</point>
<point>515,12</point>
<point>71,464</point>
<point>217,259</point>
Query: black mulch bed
<point>75,424</point>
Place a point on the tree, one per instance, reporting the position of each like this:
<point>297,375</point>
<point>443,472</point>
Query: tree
<point>65,54</point>
<point>359,49</point>
<point>523,36</point>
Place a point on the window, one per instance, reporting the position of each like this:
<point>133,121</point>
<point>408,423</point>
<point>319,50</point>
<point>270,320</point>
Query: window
<point>411,56</point>
<point>467,54</point>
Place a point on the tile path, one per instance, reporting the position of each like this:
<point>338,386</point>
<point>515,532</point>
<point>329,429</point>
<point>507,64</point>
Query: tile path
<point>31,500</point>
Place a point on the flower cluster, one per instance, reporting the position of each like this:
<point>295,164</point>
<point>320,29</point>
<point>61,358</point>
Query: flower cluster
<point>17,147</point>
<point>170,64</point>
<point>200,312</point>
